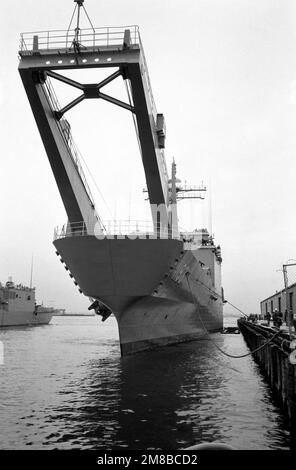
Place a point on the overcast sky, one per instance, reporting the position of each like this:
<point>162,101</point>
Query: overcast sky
<point>223,72</point>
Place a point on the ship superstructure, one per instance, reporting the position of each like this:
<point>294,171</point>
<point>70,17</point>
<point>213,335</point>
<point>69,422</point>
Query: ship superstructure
<point>162,285</point>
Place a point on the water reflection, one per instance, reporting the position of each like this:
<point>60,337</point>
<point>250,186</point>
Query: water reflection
<point>176,397</point>
<point>158,389</point>
<point>65,386</point>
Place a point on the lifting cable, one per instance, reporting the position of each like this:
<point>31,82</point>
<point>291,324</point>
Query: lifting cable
<point>211,339</point>
<point>129,95</point>
<point>95,183</point>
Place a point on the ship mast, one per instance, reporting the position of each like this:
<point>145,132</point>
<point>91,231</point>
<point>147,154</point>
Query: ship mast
<point>178,192</point>
<point>173,224</point>
<point>76,43</point>
<point>31,273</point>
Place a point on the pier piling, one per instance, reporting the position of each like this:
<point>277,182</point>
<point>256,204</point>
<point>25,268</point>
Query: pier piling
<point>274,360</point>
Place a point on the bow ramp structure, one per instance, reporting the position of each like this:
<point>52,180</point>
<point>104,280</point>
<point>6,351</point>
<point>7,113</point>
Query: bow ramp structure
<point>44,57</point>
<point>163,286</point>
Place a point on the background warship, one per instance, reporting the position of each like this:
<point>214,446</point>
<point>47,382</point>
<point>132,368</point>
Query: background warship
<point>18,306</point>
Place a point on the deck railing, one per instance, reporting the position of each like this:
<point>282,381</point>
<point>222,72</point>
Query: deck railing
<point>90,38</point>
<point>132,229</point>
<point>125,228</point>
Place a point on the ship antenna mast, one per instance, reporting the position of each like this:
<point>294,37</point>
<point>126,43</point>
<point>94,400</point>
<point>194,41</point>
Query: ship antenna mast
<point>173,184</point>
<point>75,43</point>
<point>31,276</point>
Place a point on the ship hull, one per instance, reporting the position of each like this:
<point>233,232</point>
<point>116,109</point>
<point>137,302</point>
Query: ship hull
<point>159,292</point>
<point>10,319</point>
<point>152,323</point>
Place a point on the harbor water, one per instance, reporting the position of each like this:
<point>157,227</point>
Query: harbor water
<point>65,386</point>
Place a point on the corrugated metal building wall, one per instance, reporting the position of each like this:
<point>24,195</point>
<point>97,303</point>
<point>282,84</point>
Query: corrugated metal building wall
<point>282,301</point>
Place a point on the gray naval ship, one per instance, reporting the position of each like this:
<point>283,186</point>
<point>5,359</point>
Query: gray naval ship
<point>163,285</point>
<point>18,306</point>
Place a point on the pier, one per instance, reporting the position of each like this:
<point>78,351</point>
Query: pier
<point>277,361</point>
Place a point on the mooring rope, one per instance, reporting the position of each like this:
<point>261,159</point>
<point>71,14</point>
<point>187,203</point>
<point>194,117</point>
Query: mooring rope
<point>211,339</point>
<point>221,297</point>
